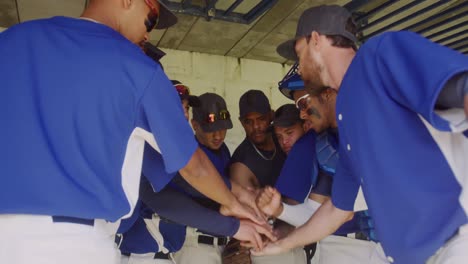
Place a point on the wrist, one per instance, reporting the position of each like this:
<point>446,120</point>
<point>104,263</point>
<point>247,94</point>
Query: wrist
<point>278,211</point>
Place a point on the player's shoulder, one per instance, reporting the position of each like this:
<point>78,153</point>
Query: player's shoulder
<point>403,38</point>
<point>241,150</point>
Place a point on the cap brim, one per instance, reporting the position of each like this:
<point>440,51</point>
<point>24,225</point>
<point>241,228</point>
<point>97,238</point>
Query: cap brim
<point>218,125</point>
<point>166,17</point>
<point>285,122</point>
<point>287,51</point>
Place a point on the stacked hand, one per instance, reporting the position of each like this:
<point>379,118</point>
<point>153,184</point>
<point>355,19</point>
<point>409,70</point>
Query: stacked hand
<point>248,197</point>
<point>269,202</point>
<point>250,235</point>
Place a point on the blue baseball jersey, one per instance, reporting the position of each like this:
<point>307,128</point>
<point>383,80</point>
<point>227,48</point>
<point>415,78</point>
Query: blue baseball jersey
<point>409,158</point>
<point>176,208</point>
<point>78,103</point>
<point>300,170</point>
<point>138,239</point>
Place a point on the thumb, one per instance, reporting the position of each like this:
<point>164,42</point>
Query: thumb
<point>266,231</point>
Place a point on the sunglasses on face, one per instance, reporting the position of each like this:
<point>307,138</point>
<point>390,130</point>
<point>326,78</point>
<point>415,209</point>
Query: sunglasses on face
<point>182,89</point>
<point>222,115</point>
<point>303,102</point>
<point>153,17</point>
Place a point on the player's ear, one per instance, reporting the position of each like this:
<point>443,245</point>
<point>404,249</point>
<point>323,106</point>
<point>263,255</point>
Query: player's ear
<point>194,124</point>
<point>315,39</point>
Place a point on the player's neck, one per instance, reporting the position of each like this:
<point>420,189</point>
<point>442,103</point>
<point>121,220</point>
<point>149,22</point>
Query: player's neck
<point>267,145</point>
<point>338,61</point>
<point>94,13</point>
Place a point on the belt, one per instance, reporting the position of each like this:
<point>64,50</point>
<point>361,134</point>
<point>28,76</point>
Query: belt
<point>159,255</point>
<point>358,236</point>
<point>209,240</point>
<point>310,251</point>
<point>74,220</point>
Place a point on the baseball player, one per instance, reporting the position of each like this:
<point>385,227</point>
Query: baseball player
<point>136,243</point>
<point>402,136</point>
<point>209,231</point>
<point>310,185</point>
<point>77,107</point>
<point>257,161</point>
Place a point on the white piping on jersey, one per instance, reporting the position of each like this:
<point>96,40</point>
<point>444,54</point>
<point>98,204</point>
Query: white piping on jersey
<point>456,117</point>
<point>153,227</point>
<point>454,147</point>
<point>360,202</point>
<point>133,160</point>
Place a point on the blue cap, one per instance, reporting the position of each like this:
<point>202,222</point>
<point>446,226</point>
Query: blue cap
<point>291,82</point>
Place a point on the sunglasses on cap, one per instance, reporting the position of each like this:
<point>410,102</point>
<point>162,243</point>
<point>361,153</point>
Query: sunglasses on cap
<point>182,90</point>
<point>303,102</point>
<point>222,115</point>
<point>153,17</point>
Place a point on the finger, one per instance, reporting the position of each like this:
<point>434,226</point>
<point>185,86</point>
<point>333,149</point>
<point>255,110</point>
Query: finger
<point>258,253</point>
<point>266,231</point>
<point>250,214</point>
<point>260,213</point>
<point>258,240</point>
<point>276,192</point>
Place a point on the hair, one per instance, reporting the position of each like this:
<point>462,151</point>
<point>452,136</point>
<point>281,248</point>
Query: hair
<point>343,42</point>
<point>320,93</point>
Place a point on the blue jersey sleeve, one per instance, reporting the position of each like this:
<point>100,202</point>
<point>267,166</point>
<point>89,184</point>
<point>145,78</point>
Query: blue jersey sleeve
<point>161,114</point>
<point>345,186</point>
<point>299,172</point>
<point>181,209</point>
<point>414,70</point>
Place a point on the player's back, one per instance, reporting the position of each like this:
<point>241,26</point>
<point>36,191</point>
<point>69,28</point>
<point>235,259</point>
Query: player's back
<point>70,93</point>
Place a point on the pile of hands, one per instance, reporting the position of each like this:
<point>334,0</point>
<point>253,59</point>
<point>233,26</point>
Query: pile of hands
<point>254,209</point>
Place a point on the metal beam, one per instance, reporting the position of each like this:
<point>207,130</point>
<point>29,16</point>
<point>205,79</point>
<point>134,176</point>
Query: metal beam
<point>405,19</point>
<point>259,9</point>
<point>362,19</point>
<point>453,36</point>
<point>456,44</point>
<point>447,29</point>
<point>232,7</point>
<point>391,14</point>
<point>433,17</point>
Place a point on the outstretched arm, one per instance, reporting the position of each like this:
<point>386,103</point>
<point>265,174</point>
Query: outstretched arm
<point>324,222</point>
<point>243,176</point>
<point>203,176</point>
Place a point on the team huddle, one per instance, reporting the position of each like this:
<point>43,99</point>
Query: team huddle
<point>108,161</point>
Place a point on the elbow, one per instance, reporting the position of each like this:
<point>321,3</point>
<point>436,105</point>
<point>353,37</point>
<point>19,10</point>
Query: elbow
<point>193,169</point>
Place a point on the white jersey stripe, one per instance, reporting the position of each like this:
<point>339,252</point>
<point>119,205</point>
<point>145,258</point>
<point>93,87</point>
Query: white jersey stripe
<point>131,169</point>
<point>454,147</point>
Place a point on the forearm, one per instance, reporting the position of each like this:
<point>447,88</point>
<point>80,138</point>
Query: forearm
<point>203,176</point>
<point>324,222</point>
<point>298,215</point>
<point>181,209</point>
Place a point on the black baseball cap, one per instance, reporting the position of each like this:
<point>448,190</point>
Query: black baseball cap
<point>286,116</point>
<point>325,19</point>
<point>254,101</point>
<point>166,17</point>
<point>212,114</point>
<point>184,94</point>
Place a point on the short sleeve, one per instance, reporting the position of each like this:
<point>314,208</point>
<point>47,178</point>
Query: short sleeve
<point>161,115</point>
<point>414,70</point>
<point>345,186</point>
